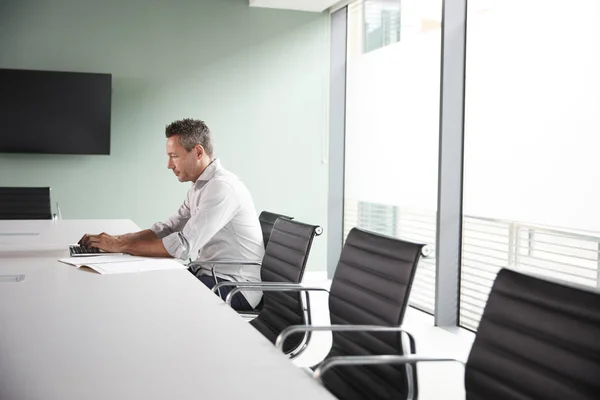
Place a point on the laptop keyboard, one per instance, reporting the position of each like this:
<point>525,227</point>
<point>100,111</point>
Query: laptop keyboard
<point>79,250</point>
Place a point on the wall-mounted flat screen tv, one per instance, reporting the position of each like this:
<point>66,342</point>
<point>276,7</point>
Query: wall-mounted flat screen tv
<point>54,112</point>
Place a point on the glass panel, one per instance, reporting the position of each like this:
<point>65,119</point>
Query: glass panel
<point>381,23</point>
<point>392,130</point>
<point>531,141</point>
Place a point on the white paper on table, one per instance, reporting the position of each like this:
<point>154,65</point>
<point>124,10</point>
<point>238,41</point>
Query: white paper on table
<point>124,264</point>
<point>116,258</point>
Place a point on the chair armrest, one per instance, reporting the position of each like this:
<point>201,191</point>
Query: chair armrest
<point>216,264</point>
<point>232,262</point>
<point>213,270</point>
<point>276,287</point>
<point>377,360</point>
<point>337,328</point>
<point>251,284</point>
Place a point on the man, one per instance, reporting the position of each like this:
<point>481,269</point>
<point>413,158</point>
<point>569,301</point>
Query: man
<point>216,222</point>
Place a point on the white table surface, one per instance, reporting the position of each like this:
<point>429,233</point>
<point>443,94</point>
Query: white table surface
<point>67,333</point>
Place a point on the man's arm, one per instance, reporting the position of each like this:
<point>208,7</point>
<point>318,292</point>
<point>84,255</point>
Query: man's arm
<point>146,234</point>
<point>149,247</point>
<point>118,240</point>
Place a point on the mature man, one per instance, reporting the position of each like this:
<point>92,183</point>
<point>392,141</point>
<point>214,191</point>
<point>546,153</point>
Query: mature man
<point>216,222</point>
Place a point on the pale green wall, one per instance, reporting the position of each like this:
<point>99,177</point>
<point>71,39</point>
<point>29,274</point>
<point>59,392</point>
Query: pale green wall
<point>258,77</point>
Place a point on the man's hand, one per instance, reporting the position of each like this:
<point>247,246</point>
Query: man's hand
<point>103,241</point>
<point>144,243</point>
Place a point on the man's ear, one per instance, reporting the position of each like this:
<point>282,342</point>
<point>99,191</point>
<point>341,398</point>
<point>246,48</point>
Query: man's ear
<point>199,150</point>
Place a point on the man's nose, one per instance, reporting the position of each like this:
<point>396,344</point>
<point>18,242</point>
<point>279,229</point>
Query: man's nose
<point>170,164</point>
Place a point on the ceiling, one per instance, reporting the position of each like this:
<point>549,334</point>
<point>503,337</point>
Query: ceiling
<point>302,5</point>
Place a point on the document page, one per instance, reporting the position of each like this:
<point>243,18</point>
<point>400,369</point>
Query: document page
<point>123,264</point>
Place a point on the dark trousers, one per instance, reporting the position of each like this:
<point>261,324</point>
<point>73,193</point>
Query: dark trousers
<point>238,302</point>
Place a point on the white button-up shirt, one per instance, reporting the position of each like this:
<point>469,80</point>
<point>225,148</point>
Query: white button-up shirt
<point>217,222</point>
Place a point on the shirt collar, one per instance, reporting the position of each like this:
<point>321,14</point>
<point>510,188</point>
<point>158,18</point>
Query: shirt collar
<point>210,171</point>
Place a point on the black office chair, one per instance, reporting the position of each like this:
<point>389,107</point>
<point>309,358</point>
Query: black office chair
<point>284,262</point>
<point>367,300</point>
<point>267,220</point>
<point>537,340</point>
<point>25,203</point>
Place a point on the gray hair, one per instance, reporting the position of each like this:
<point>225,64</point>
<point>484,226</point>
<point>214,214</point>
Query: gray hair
<point>191,132</point>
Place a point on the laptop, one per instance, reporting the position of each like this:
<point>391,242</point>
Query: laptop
<point>76,250</point>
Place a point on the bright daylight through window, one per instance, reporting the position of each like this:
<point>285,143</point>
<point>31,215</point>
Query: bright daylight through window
<point>531,168</point>
<point>392,126</point>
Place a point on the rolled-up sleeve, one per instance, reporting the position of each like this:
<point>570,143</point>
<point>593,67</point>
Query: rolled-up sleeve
<point>216,207</point>
<point>173,224</point>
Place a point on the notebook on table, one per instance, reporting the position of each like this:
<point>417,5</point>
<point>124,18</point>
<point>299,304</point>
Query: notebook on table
<point>111,263</point>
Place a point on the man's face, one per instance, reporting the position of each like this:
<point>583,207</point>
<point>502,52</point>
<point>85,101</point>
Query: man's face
<point>184,164</point>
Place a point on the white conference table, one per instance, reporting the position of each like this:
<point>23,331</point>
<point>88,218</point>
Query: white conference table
<point>67,333</point>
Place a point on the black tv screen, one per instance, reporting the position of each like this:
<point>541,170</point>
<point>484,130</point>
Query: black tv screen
<point>54,112</point>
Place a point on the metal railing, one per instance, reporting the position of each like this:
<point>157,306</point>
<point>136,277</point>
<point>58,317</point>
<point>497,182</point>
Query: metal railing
<point>487,246</point>
<point>491,244</point>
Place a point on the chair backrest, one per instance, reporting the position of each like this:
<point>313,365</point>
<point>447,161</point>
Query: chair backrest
<point>536,340</point>
<point>284,261</point>
<point>25,203</point>
<point>267,220</point>
<point>371,286</point>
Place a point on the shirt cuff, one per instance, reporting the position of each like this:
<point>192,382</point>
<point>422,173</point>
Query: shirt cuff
<point>176,245</point>
<point>160,230</point>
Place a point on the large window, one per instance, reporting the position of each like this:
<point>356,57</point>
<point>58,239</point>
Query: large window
<point>532,124</point>
<point>392,125</point>
<point>528,154</point>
